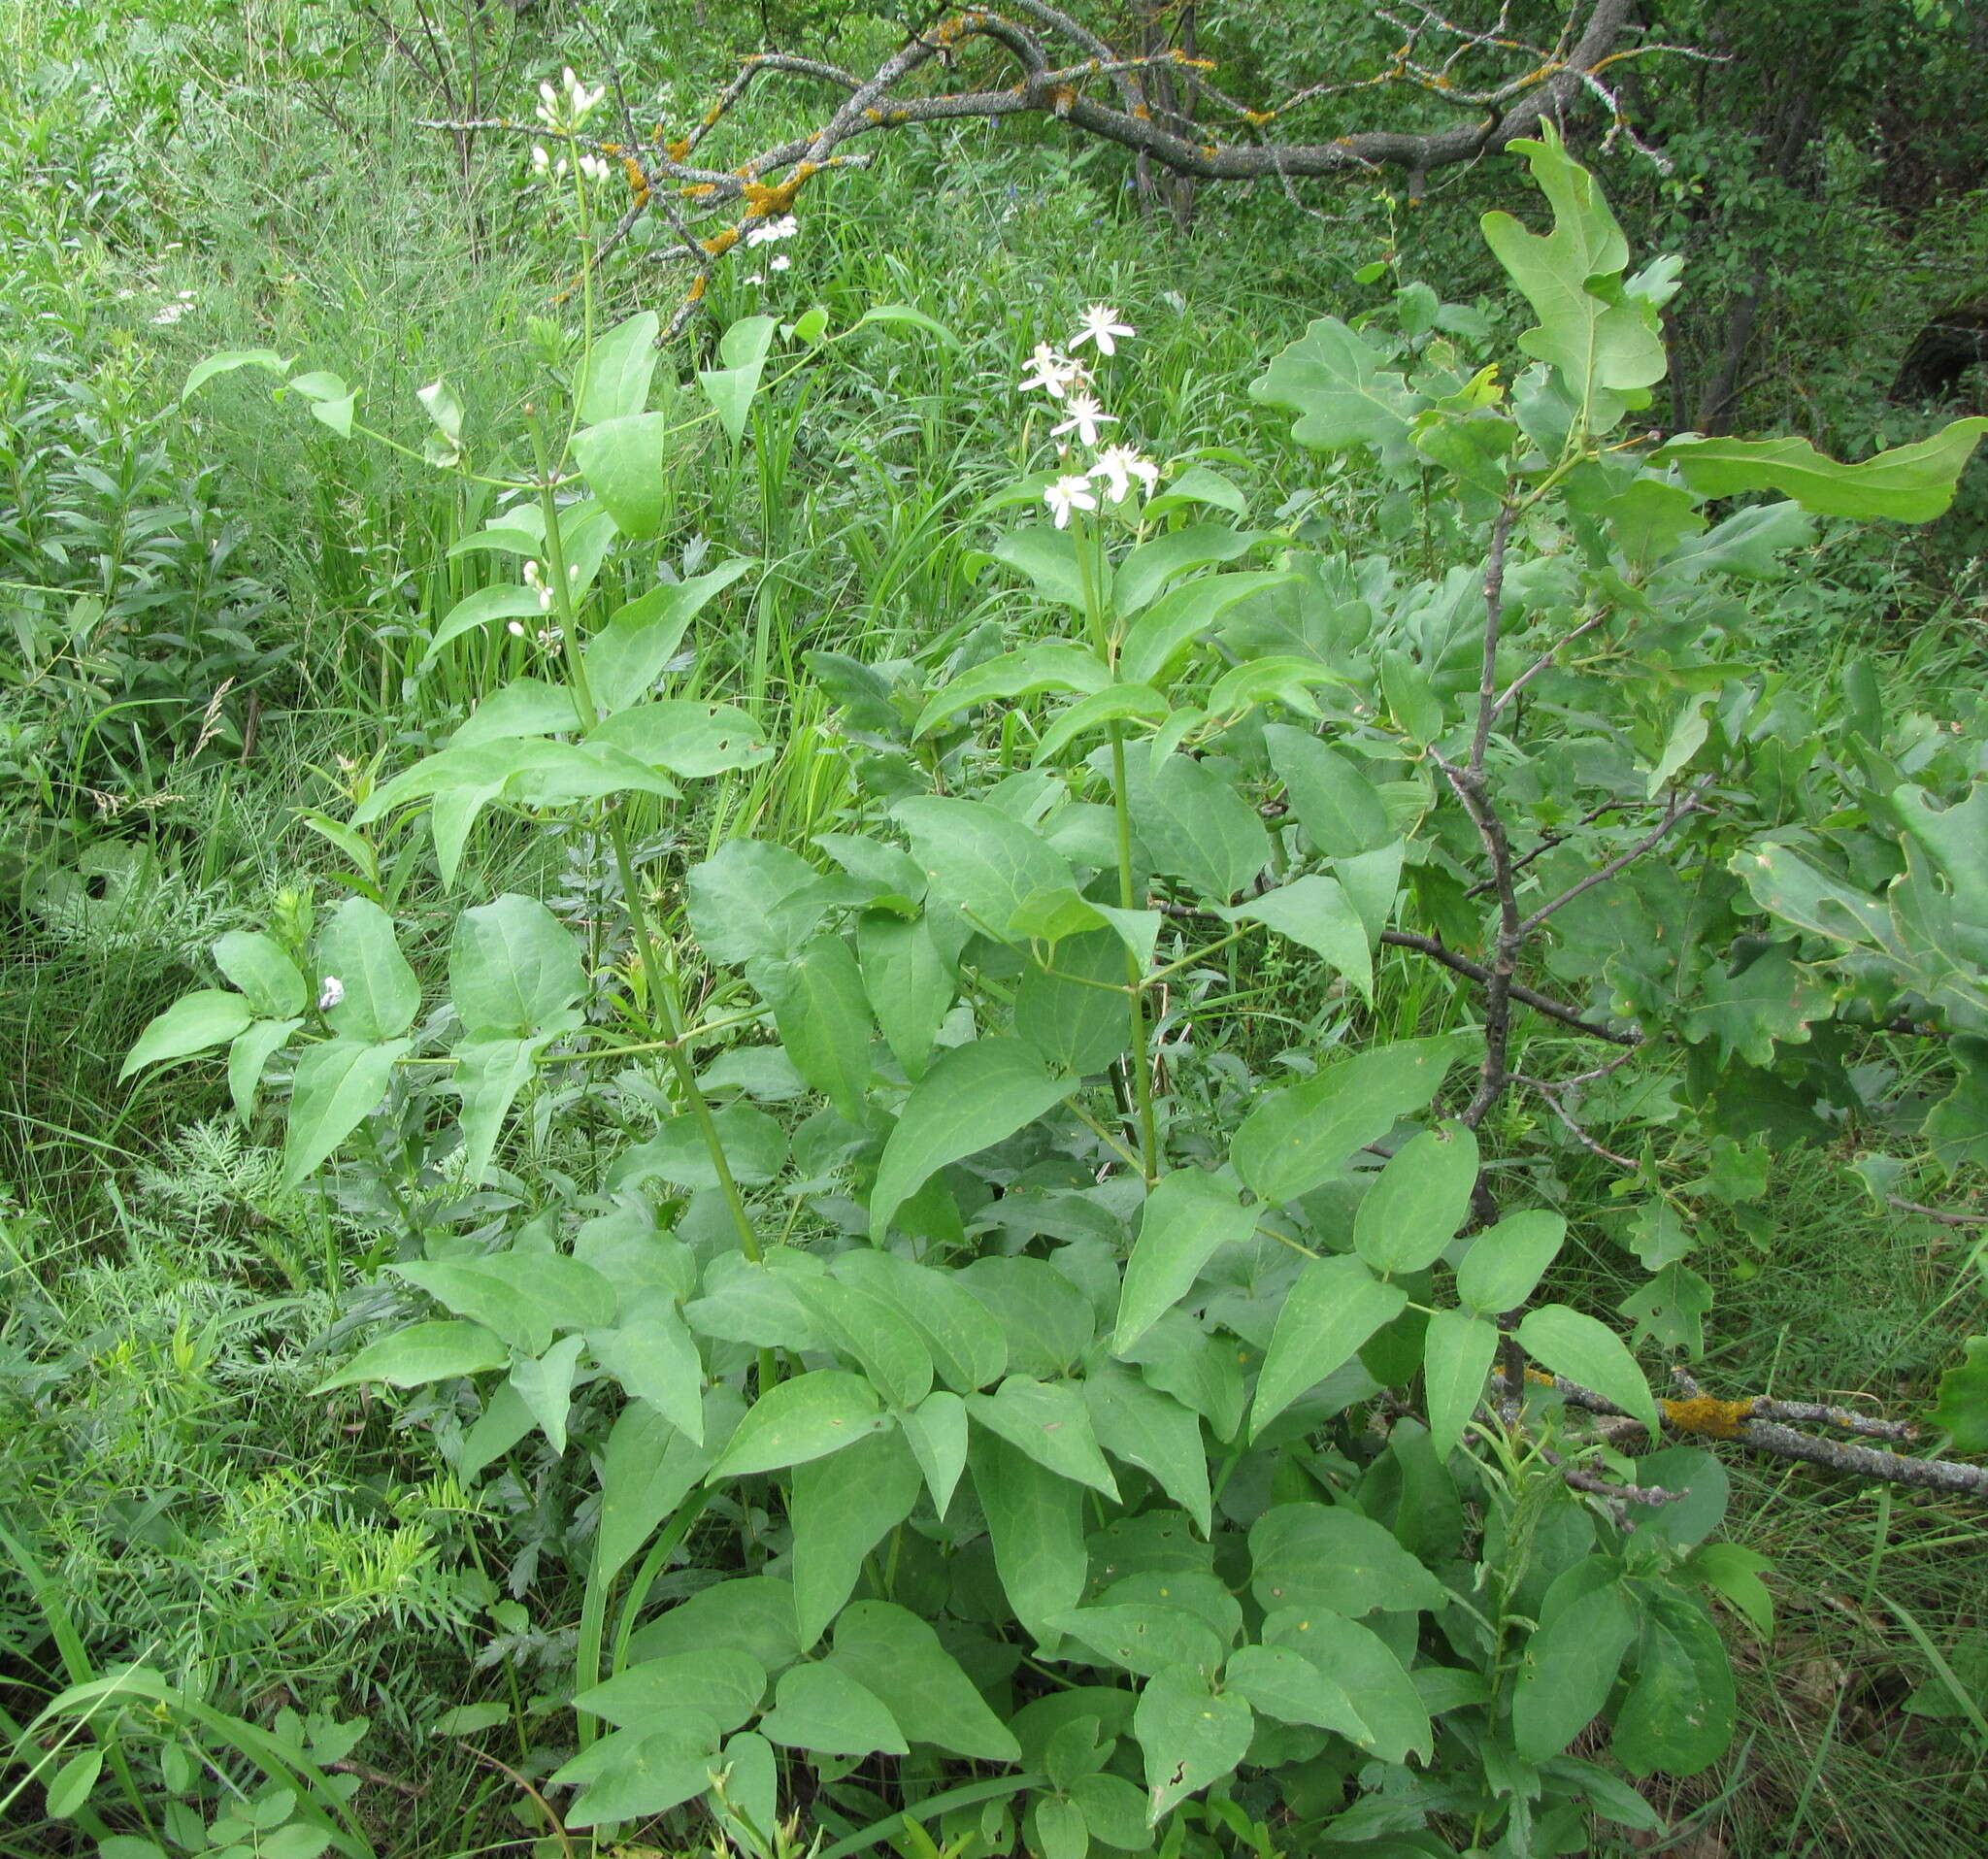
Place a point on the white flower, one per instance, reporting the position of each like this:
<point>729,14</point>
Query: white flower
<point>1086,417</point>
<point>330,994</point>
<point>594,167</point>
<point>1101,325</point>
<point>755,277</point>
<point>516,629</point>
<point>583,99</point>
<point>1053,373</point>
<point>170,314</point>
<point>781,263</point>
<point>1067,494</point>
<point>1118,465</point>
<point>785,227</point>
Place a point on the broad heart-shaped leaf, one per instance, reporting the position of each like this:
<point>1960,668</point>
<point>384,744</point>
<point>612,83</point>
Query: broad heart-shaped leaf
<point>754,1614</point>
<point>1297,1139</point>
<point>730,389</point>
<point>723,1683</point>
<point>976,857</point>
<point>656,1359</point>
<point>634,1773</point>
<point>1197,827</point>
<point>1055,1828</point>
<point>936,1430</point>
<point>262,968</point>
<point>894,1654</point>
<point>1570,1668</point>
<point>1157,643</point>
<point>1358,1661</point>
<point>1329,1556</point>
<point>1584,1350</point>
<point>649,1469</point>
<point>337,1085</point>
<point>225,363</point>
<point>618,368</point>
<point>382,996</point>
<point>1508,1260</point>
<point>545,1384</point>
<point>1114,704</point>
<point>1036,1521</point>
<point>1148,569</point>
<point>1423,1196</point>
<point>504,600</point>
<point>808,1418</point>
<point>1145,1637</point>
<point>1457,1349</point>
<point>1047,1420</point>
<point>752,899</point>
<point>1284,1685</point>
<point>754,1144</point>
<point>823,1019</point>
<point>1678,1714</point>
<point>823,1709</point>
<point>908,981</point>
<point>420,1353</point>
<point>1333,381</point>
<point>489,1072</point>
<point>967,1351</point>
<point>208,1017</point>
<point>1074,1011</point>
<point>1047,1321</point>
<point>1336,804</point>
<point>1190,1735</point>
<point>626,657</point>
<point>524,706</point>
<point>625,464</point>
<point>1332,1309</point>
<point>1315,911</point>
<point>252,1049</point>
<point>1908,483</point>
<point>885,1344</point>
<point>974,1096</point>
<point>1190,1216</point>
<point>1046,666</point>
<point>840,1509</point>
<point>1048,558</point>
<point>1604,341</point>
<point>512,966</point>
<point>1963,1408</point>
<point>691,739</point>
<point>1138,1424</point>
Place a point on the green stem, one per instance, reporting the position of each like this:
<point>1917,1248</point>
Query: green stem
<point>1135,978</point>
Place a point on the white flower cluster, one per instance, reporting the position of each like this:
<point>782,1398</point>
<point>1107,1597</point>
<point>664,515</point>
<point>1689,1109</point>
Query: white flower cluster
<point>1066,379</point>
<point>167,315</point>
<point>773,231</point>
<point>567,108</point>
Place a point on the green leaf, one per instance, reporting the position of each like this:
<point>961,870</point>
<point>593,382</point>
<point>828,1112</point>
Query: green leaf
<point>1190,1216</point>
<point>1046,1320</point>
<point>512,966</point>
<point>545,1384</point>
<point>897,1657</point>
<point>524,706</point>
<point>1190,1735</point>
<point>619,369</point>
<point>1329,1556</point>
<point>822,1016</point>
<point>1583,1350</point>
<point>1050,665</point>
<point>337,1085</point>
<point>1313,910</point>
<point>1335,803</point>
<point>1036,1521</point>
<point>1154,1431</point>
<point>1957,837</point>
<point>1047,556</point>
<point>1198,829</point>
<point>885,1344</point>
<point>252,1050</point>
<point>1334,382</point>
<point>1412,697</point>
<point>752,899</point>
<point>840,1509</point>
<point>1962,1407</point>
<point>966,1350</point>
<point>634,1773</point>
<point>977,858</point>
<point>69,1788</point>
<point>625,463</point>
<point>1047,1420</point>
<point>649,1469</point>
<point>1148,568</point>
<point>1057,1828</point>
<point>754,1614</point>
<point>1907,484</point>
<point>382,996</point>
<point>1570,1668</point>
<point>1145,1637</point>
<point>822,1709</point>
<point>1604,341</point>
<point>1156,642</point>
<point>723,1683</point>
<point>656,1359</point>
<point>755,1149</point>
<point>973,1097</point>
<point>1457,1349</point>
<point>1113,1811</point>
<point>1358,1661</point>
<point>1507,1261</point>
<point>909,986</point>
<point>1678,1715</point>
<point>420,1353</point>
<point>1332,1309</point>
<point>208,1017</point>
<point>626,657</point>
<point>904,315</point>
<point>730,389</point>
<point>490,1074</point>
<point>266,359</point>
<point>1073,1011</point>
<point>1278,1682</point>
<point>1412,1212</point>
<point>262,969</point>
<point>692,738</point>
<point>1299,1138</point>
<point>936,1430</point>
<point>808,1418</point>
<point>1114,704</point>
<point>501,1300</point>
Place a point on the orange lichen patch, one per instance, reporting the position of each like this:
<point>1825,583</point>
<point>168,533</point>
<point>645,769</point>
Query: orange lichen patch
<point>1256,118</point>
<point>637,182</point>
<point>697,288</point>
<point>1141,113</point>
<point>872,115</point>
<point>1714,1419</point>
<point>712,115</point>
<point>1210,149</point>
<point>698,189</point>
<point>1061,98</point>
<point>679,149</point>
<point>720,243</point>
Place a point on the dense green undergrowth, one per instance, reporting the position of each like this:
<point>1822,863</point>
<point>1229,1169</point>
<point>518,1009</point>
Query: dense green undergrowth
<point>366,1609</point>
